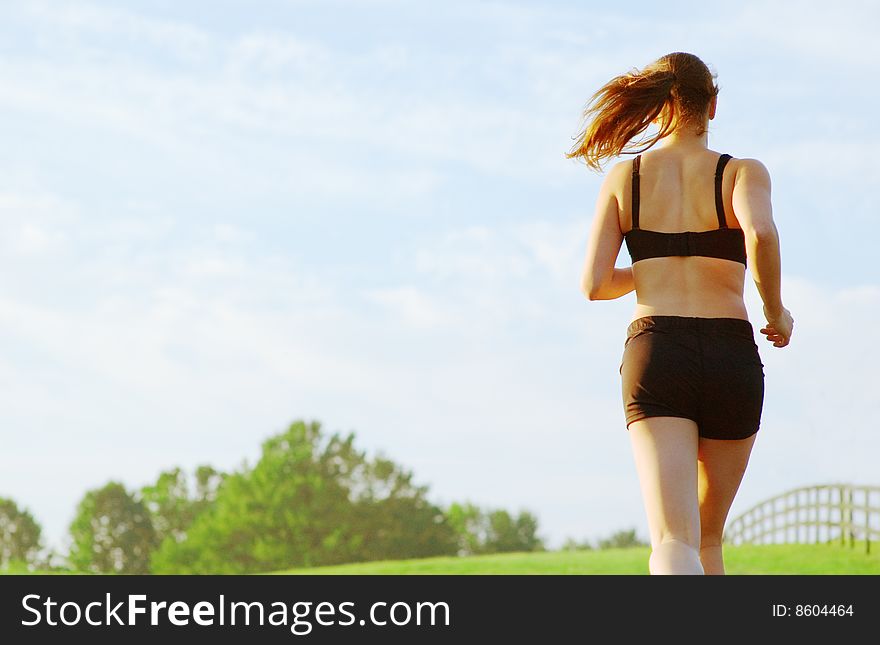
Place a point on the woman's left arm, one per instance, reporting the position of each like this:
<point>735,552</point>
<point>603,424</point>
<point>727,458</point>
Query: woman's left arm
<point>600,280</point>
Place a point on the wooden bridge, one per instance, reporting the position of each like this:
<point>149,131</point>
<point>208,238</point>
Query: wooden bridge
<point>812,514</point>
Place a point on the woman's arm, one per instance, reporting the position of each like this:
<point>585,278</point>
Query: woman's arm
<point>753,209</point>
<point>600,280</point>
<point>621,283</point>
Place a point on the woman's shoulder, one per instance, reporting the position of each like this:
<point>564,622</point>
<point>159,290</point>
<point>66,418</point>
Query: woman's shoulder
<point>750,163</point>
<point>750,170</point>
<point>623,166</point>
<point>617,175</point>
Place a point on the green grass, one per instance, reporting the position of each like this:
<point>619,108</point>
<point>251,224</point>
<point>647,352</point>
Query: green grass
<point>769,559</point>
<point>802,559</point>
<point>555,562</point>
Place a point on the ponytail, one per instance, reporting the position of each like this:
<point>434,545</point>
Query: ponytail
<point>677,88</point>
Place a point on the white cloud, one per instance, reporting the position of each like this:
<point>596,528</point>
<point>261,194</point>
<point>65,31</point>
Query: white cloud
<point>32,239</point>
<point>33,224</point>
<point>412,306</point>
<point>557,246</point>
<point>275,84</point>
<point>474,253</point>
<point>185,41</point>
<point>224,232</point>
<point>278,52</point>
<point>838,35</point>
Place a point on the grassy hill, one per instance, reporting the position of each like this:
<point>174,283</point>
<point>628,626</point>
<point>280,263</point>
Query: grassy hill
<point>763,559</point>
<point>769,559</point>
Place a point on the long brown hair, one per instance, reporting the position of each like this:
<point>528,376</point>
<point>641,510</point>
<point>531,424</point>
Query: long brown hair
<point>677,87</point>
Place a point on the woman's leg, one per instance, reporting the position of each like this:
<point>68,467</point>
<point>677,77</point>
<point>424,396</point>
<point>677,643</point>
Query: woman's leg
<point>722,463</point>
<point>665,451</point>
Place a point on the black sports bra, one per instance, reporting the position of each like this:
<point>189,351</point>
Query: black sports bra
<point>724,242</point>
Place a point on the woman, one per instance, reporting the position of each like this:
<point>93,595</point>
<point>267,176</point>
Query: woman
<point>691,375</point>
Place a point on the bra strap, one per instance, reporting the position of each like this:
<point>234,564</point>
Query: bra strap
<point>719,200</point>
<point>635,191</point>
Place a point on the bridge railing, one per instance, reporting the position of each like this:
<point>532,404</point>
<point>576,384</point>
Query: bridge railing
<point>811,514</point>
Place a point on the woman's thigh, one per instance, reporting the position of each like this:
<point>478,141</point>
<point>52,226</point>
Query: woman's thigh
<point>722,464</point>
<point>665,452</point>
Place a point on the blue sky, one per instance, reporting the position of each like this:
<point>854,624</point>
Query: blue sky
<point>216,218</point>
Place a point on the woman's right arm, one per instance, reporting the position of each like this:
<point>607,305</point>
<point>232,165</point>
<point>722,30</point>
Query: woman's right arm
<point>753,210</point>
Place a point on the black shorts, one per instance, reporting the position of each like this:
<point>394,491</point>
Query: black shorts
<point>705,369</point>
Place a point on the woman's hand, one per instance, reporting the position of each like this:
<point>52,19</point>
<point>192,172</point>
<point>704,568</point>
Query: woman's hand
<point>779,327</point>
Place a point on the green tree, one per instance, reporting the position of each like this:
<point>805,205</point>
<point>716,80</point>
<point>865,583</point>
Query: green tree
<point>571,544</point>
<point>622,540</point>
<point>468,522</point>
<point>481,532</point>
<point>512,534</point>
<point>19,535</point>
<point>174,504</point>
<point>392,517</point>
<point>112,532</point>
<point>310,500</point>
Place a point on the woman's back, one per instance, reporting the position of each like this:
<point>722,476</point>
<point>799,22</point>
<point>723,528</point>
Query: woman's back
<point>677,193</point>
